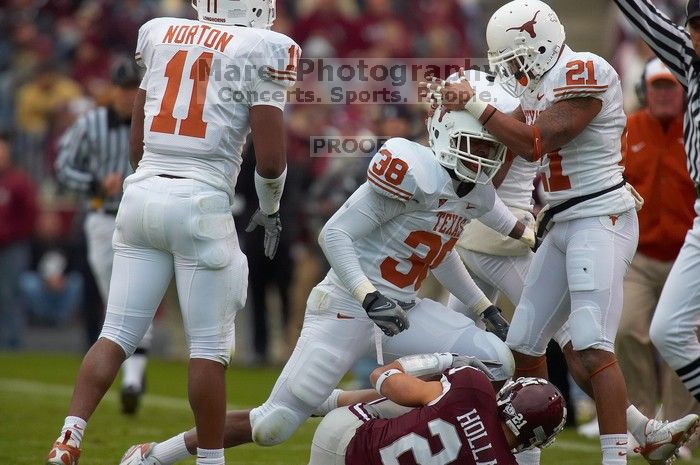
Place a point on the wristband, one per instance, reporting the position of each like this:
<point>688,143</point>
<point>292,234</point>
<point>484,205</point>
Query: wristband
<point>479,307</point>
<point>270,192</point>
<point>362,289</point>
<point>476,107</point>
<point>383,377</point>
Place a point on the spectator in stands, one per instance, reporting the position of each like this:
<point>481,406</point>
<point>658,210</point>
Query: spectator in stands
<point>18,211</point>
<point>327,23</point>
<point>38,104</point>
<point>380,33</point>
<point>51,291</point>
<point>655,163</point>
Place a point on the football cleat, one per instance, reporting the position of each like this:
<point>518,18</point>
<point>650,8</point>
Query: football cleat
<point>65,451</point>
<point>140,455</point>
<point>663,439</point>
<point>130,399</point>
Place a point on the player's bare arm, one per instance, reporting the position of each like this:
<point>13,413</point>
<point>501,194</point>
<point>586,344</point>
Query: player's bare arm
<point>137,121</point>
<point>503,171</point>
<point>404,389</point>
<point>557,126</point>
<point>267,126</point>
<point>554,127</point>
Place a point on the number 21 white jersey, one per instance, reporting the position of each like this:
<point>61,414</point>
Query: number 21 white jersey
<point>592,161</point>
<point>201,81</point>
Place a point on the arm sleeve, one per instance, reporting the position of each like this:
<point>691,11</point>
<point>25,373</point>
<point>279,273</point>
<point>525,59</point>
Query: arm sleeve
<point>453,275</point>
<point>72,162</point>
<point>499,218</point>
<point>362,213</point>
<point>670,42</point>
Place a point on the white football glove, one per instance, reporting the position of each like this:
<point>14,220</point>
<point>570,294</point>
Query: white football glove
<point>273,229</point>
<point>481,365</point>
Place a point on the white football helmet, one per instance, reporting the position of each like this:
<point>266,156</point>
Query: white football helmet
<point>248,13</point>
<point>525,38</point>
<point>461,144</point>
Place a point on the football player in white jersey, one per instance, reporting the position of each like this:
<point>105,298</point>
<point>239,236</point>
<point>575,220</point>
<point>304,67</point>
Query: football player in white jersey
<point>396,228</point>
<point>499,263</point>
<point>207,84</point>
<point>570,117</point>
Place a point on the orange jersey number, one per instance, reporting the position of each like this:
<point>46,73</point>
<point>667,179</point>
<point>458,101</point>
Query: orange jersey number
<point>420,265</point>
<point>574,77</point>
<point>556,180</point>
<point>193,125</point>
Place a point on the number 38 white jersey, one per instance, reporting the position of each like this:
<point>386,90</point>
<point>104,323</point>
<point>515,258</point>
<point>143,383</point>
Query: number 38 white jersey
<point>201,81</point>
<point>399,253</point>
<point>592,161</point>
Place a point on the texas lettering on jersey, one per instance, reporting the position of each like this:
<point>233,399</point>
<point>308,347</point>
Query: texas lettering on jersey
<point>399,254</point>
<point>450,224</point>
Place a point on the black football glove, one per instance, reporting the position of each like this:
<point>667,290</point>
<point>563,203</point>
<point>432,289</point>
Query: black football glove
<point>495,322</point>
<point>385,313</point>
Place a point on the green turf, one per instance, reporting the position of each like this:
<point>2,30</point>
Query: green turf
<point>35,389</point>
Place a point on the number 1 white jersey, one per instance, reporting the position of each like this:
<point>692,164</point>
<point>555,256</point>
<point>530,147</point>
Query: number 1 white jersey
<point>201,81</point>
<point>592,161</point>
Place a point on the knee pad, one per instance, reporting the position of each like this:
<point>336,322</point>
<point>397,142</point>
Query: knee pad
<point>662,338</point>
<point>521,337</point>
<point>125,331</point>
<point>275,425</point>
<point>562,336</point>
<point>500,352</point>
<point>589,332</point>
<point>315,378</point>
<point>215,348</point>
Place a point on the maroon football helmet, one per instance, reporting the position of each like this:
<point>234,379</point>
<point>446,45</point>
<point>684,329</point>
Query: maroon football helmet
<point>533,409</point>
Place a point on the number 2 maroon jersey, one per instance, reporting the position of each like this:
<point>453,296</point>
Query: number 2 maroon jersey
<point>201,81</point>
<point>460,427</point>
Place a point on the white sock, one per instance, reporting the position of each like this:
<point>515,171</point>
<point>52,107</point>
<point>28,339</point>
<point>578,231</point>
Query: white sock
<point>529,457</point>
<point>210,456</point>
<point>636,424</point>
<point>171,450</point>
<point>76,426</point>
<point>133,369</point>
<point>614,448</point>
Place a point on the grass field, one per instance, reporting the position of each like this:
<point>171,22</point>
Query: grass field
<point>35,390</point>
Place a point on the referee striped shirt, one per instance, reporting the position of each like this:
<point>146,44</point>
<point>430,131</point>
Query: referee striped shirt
<point>671,43</point>
<point>96,145</point>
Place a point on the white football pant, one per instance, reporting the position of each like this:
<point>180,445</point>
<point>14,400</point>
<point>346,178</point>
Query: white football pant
<point>576,275</point>
<point>182,227</point>
<point>337,332</point>
<point>99,231</point>
<point>674,326</point>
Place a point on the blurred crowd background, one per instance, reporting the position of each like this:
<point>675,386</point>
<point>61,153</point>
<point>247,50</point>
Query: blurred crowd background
<point>55,60</point>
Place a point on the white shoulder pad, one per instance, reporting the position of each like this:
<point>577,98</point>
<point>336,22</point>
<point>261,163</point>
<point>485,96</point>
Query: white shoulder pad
<point>582,75</point>
<point>403,170</point>
<point>144,47</point>
<point>280,58</point>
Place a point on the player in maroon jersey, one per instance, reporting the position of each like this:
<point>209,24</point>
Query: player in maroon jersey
<point>458,419</point>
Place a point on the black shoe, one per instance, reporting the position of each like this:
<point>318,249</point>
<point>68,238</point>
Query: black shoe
<point>131,397</point>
